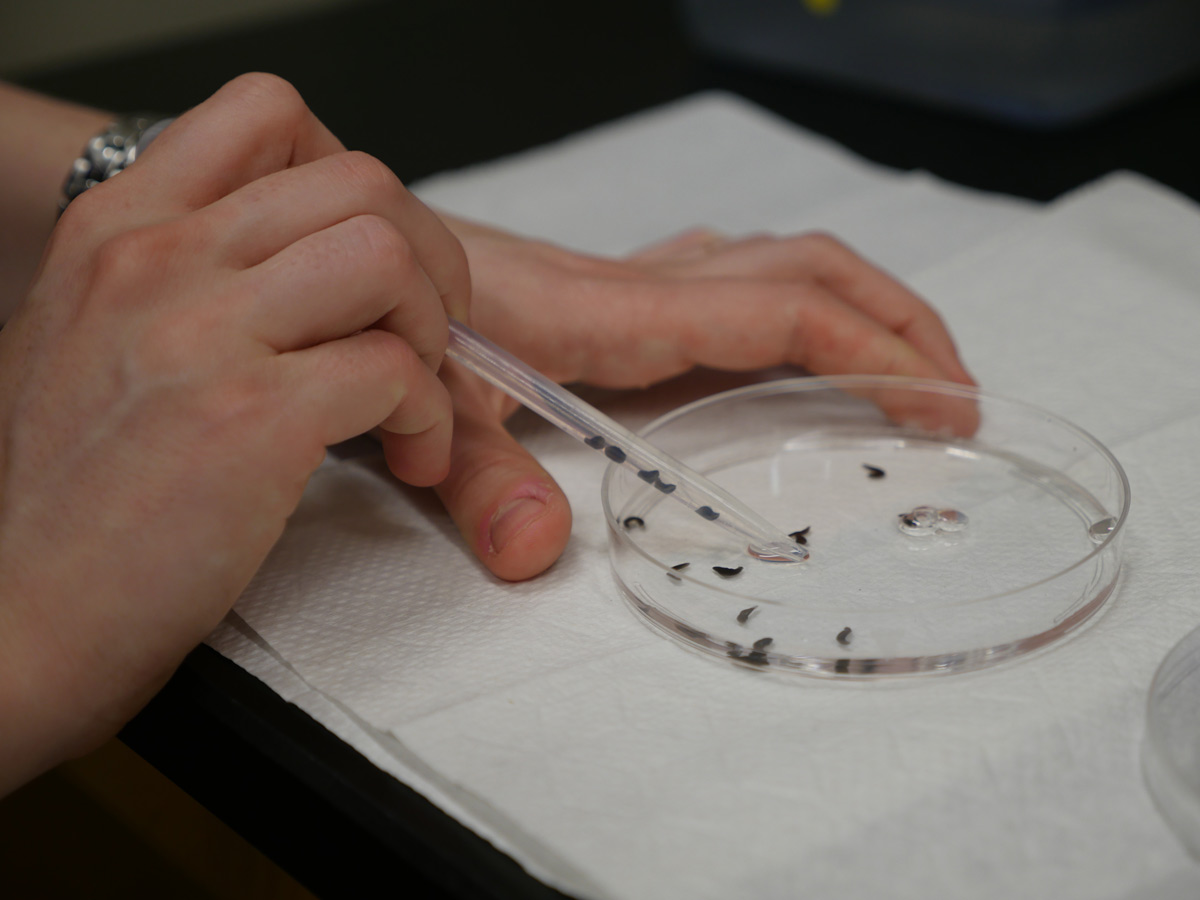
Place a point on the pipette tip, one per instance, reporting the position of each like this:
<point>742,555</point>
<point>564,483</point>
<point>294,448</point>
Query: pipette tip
<point>778,551</point>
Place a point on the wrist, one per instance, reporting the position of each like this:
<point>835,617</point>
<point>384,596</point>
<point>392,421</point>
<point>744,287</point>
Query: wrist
<point>40,138</point>
<point>30,746</point>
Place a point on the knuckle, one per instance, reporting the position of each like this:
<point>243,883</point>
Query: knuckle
<point>83,215</point>
<point>367,174</point>
<point>823,242</point>
<point>271,103</point>
<point>228,401</point>
<point>381,235</point>
<point>265,90</point>
<point>130,258</point>
<point>172,347</point>
<point>385,247</point>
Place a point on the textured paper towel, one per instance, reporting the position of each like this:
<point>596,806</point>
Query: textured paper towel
<point>614,764</point>
<point>719,161</point>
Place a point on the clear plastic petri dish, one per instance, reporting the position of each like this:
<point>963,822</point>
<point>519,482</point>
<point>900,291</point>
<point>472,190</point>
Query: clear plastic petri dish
<point>948,528</point>
<point>1171,746</point>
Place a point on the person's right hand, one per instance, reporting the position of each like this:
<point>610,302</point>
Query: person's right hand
<point>202,326</point>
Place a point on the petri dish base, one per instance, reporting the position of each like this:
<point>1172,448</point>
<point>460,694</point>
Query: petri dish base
<point>955,530</point>
<point>1171,746</point>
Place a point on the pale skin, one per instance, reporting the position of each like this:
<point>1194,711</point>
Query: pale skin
<point>201,327</point>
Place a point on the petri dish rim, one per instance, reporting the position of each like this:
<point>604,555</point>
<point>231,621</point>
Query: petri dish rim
<point>851,666</point>
<point>823,382</point>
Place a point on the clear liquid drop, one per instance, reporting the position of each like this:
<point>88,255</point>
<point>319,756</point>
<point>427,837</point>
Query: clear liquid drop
<point>1100,530</point>
<point>923,521</point>
<point>950,520</point>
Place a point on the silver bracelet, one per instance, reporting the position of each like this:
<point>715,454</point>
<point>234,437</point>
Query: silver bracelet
<point>111,152</point>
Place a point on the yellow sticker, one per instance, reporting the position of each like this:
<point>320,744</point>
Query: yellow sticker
<point>822,7</point>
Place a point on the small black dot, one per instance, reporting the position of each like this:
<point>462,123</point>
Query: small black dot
<point>744,615</point>
<point>664,487</point>
<point>648,475</point>
<point>801,536</point>
<point>763,643</point>
<point>707,512</point>
<point>596,443</point>
<point>678,566</point>
<point>843,637</point>
<point>725,571</point>
<point>874,471</point>
<point>616,454</point>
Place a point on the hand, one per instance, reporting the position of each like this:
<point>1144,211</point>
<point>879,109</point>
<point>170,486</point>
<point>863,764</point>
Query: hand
<point>696,300</point>
<point>201,327</point>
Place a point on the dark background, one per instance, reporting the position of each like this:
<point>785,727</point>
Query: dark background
<point>437,85</point>
<point>434,85</point>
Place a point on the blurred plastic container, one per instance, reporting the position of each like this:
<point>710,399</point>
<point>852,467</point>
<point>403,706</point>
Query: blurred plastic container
<point>1042,62</point>
<point>1171,747</point>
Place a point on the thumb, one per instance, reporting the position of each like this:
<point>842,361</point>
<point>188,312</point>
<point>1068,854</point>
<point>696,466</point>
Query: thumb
<point>509,510</point>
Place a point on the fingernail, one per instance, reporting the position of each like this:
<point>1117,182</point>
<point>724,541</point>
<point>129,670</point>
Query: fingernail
<point>513,517</point>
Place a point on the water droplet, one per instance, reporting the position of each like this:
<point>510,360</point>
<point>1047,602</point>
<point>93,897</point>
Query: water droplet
<point>1100,530</point>
<point>951,520</point>
<point>919,521</point>
<point>922,521</point>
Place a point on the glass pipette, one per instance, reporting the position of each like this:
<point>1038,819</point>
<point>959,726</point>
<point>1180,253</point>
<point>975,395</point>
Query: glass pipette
<point>586,423</point>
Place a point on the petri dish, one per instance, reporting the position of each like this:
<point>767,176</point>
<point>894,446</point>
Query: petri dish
<point>1171,745</point>
<point>948,528</point>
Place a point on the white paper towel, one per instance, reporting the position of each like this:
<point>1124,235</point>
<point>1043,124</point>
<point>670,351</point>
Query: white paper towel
<point>614,764</point>
<point>716,160</point>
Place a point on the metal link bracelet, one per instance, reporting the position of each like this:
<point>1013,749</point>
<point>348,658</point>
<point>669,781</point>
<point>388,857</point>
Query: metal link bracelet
<point>111,152</point>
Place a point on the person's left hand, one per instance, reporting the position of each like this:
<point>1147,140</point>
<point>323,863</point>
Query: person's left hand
<point>695,300</point>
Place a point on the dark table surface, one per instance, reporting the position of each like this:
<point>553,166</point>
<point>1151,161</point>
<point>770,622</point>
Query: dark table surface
<point>434,85</point>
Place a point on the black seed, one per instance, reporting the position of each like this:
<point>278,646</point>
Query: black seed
<point>680,566</point>
<point>648,475</point>
<point>842,666</point>
<point>665,488</point>
<point>763,643</point>
<point>745,614</point>
<point>801,536</point>
<point>874,471</point>
<point>756,657</point>
<point>596,443</point>
<point>616,454</point>
<point>843,637</point>
<point>633,521</point>
<point>707,512</point>
<point>725,571</point>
